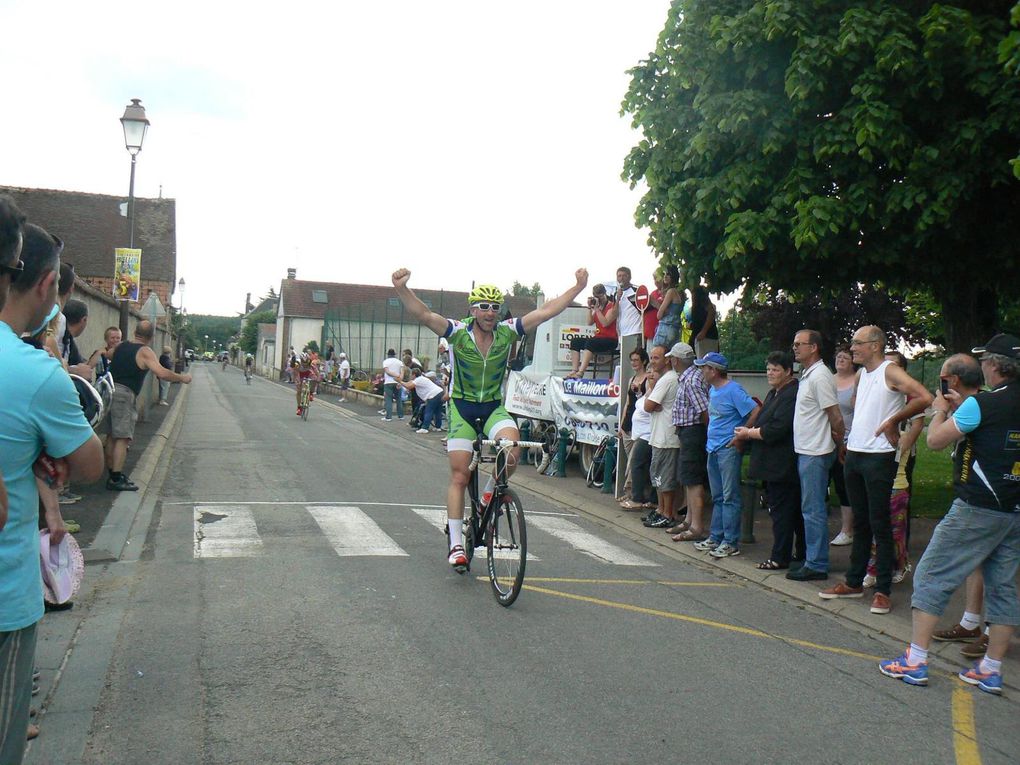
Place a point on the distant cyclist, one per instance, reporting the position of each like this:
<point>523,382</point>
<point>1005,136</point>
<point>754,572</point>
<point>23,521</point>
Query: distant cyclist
<point>302,368</point>
<point>249,364</point>
<point>479,349</point>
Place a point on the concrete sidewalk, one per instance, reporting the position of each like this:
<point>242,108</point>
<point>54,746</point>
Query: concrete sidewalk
<point>573,492</point>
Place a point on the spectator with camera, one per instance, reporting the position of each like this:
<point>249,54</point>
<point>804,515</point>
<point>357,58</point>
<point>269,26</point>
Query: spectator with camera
<point>583,349</point>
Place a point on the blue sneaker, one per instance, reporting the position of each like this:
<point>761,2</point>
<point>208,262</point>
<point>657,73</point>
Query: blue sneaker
<point>912,674</point>
<point>989,682</point>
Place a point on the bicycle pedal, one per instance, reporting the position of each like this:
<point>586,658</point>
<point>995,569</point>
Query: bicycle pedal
<point>461,569</point>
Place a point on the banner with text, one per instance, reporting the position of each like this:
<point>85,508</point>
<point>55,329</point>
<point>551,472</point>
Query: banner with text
<point>590,408</point>
<point>127,273</point>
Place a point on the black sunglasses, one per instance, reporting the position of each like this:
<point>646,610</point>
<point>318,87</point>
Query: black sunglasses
<point>14,270</point>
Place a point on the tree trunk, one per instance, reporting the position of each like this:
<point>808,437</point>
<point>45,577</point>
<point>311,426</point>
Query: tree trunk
<point>969,312</point>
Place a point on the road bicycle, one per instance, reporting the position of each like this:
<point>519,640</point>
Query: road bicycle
<point>305,400</point>
<point>247,375</point>
<point>499,525</point>
<point>596,466</point>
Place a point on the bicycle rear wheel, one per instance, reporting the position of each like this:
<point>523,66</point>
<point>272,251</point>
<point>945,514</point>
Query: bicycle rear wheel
<point>506,544</point>
<point>596,467</point>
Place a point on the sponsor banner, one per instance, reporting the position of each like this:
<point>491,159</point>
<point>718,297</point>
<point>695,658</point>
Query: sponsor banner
<point>567,333</point>
<point>590,408</point>
<point>528,395</point>
<point>127,273</point>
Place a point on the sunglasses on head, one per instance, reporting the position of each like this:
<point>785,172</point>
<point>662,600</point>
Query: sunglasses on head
<point>487,306</point>
<point>14,270</point>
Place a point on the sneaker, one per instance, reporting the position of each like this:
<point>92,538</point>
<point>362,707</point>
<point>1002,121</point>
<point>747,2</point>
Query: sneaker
<point>724,551</point>
<point>661,522</point>
<point>956,634</point>
<point>458,559</point>
<point>68,499</point>
<point>651,518</point>
<point>164,403</point>
<point>382,411</point>
<point>706,545</point>
<point>841,590</point>
<point>869,581</point>
<point>989,682</point>
<point>881,604</point>
<point>911,674</point>
<point>422,430</point>
<point>386,419</point>
<point>842,539</point>
<point>122,485</point>
<point>804,573</point>
<point>975,650</point>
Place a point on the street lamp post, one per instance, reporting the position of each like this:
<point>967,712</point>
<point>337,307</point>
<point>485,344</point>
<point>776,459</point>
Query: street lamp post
<point>135,126</point>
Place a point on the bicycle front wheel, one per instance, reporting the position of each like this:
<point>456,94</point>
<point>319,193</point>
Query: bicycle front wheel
<point>506,541</point>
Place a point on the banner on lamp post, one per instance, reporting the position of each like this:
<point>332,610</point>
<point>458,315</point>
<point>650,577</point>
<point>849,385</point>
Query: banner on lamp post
<point>127,273</point>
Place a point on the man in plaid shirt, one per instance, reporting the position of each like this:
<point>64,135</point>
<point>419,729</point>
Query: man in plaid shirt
<point>690,416</point>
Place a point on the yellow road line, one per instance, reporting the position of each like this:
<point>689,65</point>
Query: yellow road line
<point>703,622</point>
<point>568,580</point>
<point>964,732</point>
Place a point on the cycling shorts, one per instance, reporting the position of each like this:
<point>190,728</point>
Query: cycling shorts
<point>463,414</point>
<point>304,374</point>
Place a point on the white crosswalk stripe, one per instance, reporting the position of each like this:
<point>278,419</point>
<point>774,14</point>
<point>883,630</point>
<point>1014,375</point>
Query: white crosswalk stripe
<point>353,533</point>
<point>225,531</point>
<point>230,531</point>
<point>438,519</point>
<point>586,542</point>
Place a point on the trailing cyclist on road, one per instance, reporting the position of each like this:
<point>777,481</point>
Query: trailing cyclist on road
<point>479,349</point>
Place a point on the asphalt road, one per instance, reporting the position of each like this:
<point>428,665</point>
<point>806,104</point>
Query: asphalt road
<point>293,605</point>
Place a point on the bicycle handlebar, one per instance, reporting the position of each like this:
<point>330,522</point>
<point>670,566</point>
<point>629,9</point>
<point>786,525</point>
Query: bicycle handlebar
<point>506,443</point>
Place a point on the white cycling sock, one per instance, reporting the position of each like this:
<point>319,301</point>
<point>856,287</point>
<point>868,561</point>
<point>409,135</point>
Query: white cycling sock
<point>970,621</point>
<point>916,655</point>
<point>456,531</point>
<point>990,665</point>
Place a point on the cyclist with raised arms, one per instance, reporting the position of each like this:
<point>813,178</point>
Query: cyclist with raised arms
<point>479,348</point>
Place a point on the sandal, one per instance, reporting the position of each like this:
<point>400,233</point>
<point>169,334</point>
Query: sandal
<point>679,528</point>
<point>689,536</point>
<point>771,565</point>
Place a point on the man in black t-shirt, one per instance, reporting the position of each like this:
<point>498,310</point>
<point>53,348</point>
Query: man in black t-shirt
<point>982,528</point>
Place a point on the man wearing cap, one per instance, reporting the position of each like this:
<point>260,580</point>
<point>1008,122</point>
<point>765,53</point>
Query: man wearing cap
<point>729,407</point>
<point>663,439</point>
<point>982,527</point>
<point>41,413</point>
<point>818,439</point>
<point>690,418</point>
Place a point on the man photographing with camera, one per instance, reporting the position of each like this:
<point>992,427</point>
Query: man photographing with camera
<point>604,339</point>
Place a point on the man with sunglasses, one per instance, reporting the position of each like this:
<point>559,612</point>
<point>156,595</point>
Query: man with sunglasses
<point>479,349</point>
<point>40,413</point>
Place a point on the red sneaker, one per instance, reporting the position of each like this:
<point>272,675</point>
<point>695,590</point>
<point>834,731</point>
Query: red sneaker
<point>458,559</point>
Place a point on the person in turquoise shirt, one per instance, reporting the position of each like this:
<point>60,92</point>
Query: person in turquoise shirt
<point>40,413</point>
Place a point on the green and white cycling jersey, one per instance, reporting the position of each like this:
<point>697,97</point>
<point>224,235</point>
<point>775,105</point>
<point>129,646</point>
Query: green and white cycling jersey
<point>475,377</point>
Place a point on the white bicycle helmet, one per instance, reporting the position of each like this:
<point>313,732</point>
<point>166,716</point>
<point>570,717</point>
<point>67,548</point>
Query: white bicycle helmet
<point>91,402</point>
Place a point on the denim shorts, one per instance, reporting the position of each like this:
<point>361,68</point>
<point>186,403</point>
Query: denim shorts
<point>967,538</point>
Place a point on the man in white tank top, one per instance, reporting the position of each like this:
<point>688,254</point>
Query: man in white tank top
<point>880,405</point>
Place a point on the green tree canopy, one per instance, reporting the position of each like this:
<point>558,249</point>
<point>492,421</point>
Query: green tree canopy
<point>250,331</point>
<point>522,290</point>
<point>812,145</point>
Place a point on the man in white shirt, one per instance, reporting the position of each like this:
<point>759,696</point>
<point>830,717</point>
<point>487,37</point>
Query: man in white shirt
<point>624,311</point>
<point>432,396</point>
<point>663,439</point>
<point>817,439</point>
<point>393,373</point>
<point>345,376</point>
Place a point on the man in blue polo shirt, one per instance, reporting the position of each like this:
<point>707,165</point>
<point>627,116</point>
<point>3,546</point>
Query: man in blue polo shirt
<point>729,407</point>
<point>39,413</point>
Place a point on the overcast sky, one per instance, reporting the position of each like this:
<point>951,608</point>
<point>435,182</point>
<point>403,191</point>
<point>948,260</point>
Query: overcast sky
<point>464,140</point>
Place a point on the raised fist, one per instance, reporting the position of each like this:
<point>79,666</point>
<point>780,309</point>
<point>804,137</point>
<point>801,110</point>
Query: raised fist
<point>400,277</point>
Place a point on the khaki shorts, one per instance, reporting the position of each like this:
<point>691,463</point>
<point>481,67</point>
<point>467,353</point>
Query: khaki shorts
<point>123,412</point>
<point>663,468</point>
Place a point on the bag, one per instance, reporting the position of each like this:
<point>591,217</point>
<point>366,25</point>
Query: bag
<point>63,567</point>
<point>91,402</point>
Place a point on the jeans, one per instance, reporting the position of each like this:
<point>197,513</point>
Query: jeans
<point>164,389</point>
<point>971,537</point>
<point>814,485</point>
<point>433,412</point>
<point>391,398</point>
<point>783,498</point>
<point>869,480</point>
<point>724,479</point>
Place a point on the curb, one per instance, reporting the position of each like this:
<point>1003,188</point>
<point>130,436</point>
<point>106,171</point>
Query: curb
<point>112,537</point>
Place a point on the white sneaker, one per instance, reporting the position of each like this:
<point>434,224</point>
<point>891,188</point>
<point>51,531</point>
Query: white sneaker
<point>382,411</point>
<point>458,559</point>
<point>724,551</point>
<point>841,539</point>
<point>386,419</point>
<point>868,581</point>
<point>422,430</point>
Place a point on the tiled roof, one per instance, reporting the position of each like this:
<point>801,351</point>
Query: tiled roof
<point>365,302</point>
<point>91,226</point>
<point>266,331</point>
